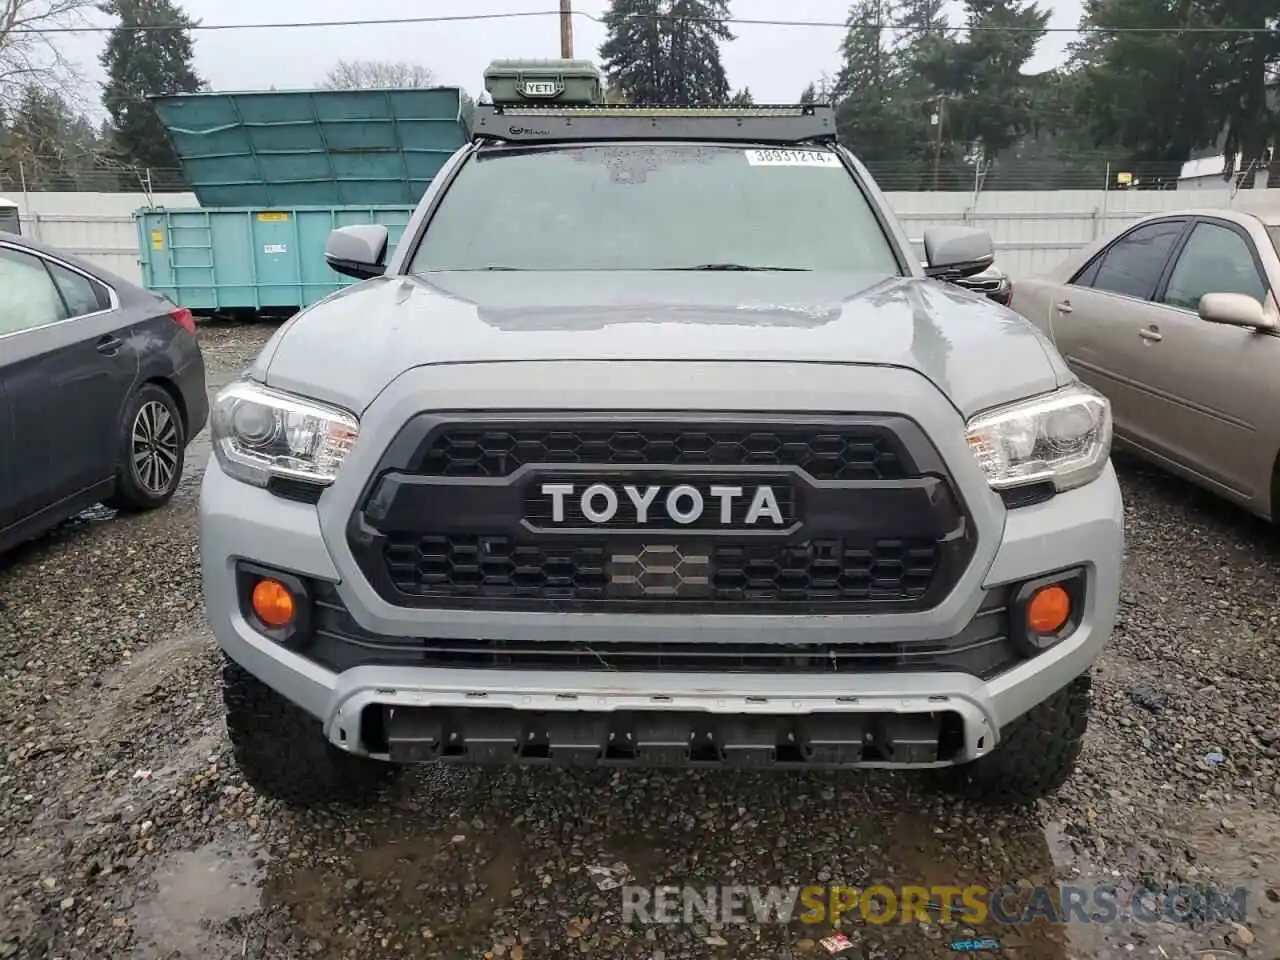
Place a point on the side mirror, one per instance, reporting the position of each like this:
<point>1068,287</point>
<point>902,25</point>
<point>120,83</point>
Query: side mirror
<point>358,251</point>
<point>1234,310</point>
<point>957,252</point>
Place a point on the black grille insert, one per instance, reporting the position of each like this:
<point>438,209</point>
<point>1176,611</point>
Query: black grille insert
<point>508,512</point>
<point>862,452</point>
<point>819,571</point>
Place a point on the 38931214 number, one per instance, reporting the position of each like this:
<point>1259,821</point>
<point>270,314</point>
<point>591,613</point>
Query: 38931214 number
<point>792,158</point>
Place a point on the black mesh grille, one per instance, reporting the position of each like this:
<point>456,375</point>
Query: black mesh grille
<point>861,517</point>
<point>825,570</point>
<point>820,571</point>
<point>856,453</point>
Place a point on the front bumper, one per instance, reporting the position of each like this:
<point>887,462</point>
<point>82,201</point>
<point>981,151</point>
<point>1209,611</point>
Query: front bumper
<point>1080,529</point>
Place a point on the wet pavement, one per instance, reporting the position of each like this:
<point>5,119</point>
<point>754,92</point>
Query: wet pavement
<point>124,832</point>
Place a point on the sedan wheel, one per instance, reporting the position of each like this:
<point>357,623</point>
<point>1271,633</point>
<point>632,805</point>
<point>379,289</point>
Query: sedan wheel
<point>154,448</point>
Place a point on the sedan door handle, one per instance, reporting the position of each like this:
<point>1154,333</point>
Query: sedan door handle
<point>110,345</point>
<point>1064,306</point>
<point>1150,333</point>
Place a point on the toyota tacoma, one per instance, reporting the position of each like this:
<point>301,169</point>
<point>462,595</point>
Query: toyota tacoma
<point>651,442</point>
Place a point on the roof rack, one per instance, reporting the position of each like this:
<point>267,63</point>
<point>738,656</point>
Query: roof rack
<point>769,123</point>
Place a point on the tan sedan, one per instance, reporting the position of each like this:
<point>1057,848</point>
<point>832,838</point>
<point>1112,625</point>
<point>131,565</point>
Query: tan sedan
<point>1176,321</point>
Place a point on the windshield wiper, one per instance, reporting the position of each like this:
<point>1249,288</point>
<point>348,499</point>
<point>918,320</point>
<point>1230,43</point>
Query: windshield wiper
<point>735,266</point>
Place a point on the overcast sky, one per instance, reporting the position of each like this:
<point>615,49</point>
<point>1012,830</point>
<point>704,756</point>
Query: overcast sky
<point>775,62</point>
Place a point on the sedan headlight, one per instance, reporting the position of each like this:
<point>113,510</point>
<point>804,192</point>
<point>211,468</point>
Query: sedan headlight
<point>1063,437</point>
<point>259,433</point>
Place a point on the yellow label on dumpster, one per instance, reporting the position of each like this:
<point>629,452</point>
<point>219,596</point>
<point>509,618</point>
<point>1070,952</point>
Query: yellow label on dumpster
<point>272,216</point>
<point>157,240</point>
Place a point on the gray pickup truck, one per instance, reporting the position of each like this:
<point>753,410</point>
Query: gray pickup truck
<point>652,443</point>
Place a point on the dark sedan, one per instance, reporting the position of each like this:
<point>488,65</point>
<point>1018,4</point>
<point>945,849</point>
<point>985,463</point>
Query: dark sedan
<point>102,386</point>
<point>992,283</point>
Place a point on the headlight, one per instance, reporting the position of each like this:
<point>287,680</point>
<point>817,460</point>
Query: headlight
<point>260,433</point>
<point>1063,437</point>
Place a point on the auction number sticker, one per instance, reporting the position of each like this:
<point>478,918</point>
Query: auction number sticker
<point>792,158</point>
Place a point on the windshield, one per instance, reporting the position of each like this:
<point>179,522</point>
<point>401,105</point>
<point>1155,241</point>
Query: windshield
<point>1274,233</point>
<point>654,207</point>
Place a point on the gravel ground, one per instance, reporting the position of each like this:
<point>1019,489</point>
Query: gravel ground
<point>125,833</point>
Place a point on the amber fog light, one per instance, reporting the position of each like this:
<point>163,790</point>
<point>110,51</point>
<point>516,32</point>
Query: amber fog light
<point>1047,610</point>
<point>275,603</point>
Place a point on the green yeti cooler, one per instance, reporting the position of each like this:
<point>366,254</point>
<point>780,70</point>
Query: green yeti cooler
<point>544,82</point>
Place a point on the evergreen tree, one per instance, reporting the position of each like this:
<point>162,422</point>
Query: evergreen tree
<point>932,105</point>
<point>1057,152</point>
<point>1246,105</point>
<point>46,146</point>
<point>140,62</point>
<point>873,115</point>
<point>989,97</point>
<point>742,98</point>
<point>1163,91</point>
<point>38,141</point>
<point>925,57</point>
<point>666,51</point>
<point>927,45</point>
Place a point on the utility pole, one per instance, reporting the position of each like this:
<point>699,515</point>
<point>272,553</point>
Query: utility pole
<point>566,29</point>
<point>937,143</point>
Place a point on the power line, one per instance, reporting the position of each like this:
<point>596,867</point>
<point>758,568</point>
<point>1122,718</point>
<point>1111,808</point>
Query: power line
<point>527,14</point>
<point>384,21</point>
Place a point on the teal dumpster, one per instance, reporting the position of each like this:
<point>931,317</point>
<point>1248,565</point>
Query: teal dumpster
<point>274,172</point>
<point>249,258</point>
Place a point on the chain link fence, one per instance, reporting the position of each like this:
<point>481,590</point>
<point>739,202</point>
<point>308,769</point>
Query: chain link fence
<point>51,175</point>
<point>102,176</point>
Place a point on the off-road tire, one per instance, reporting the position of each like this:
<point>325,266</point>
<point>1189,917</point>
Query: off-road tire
<point>282,751</point>
<point>1037,751</point>
<point>131,493</point>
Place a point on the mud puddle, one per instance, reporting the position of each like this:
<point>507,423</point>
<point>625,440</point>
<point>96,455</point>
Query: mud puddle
<point>500,864</point>
<point>202,903</point>
<point>1225,901</point>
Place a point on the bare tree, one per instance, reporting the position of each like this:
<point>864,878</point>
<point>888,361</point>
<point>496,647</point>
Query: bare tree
<point>367,74</point>
<point>30,54</point>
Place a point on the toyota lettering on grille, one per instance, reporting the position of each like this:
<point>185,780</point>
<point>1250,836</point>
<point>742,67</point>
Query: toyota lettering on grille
<point>755,506</point>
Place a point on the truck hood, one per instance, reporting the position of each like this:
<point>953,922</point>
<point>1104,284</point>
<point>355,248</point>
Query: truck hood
<point>347,348</point>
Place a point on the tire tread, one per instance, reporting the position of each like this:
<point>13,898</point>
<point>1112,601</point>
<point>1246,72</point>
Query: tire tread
<point>1037,752</point>
<point>282,752</point>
